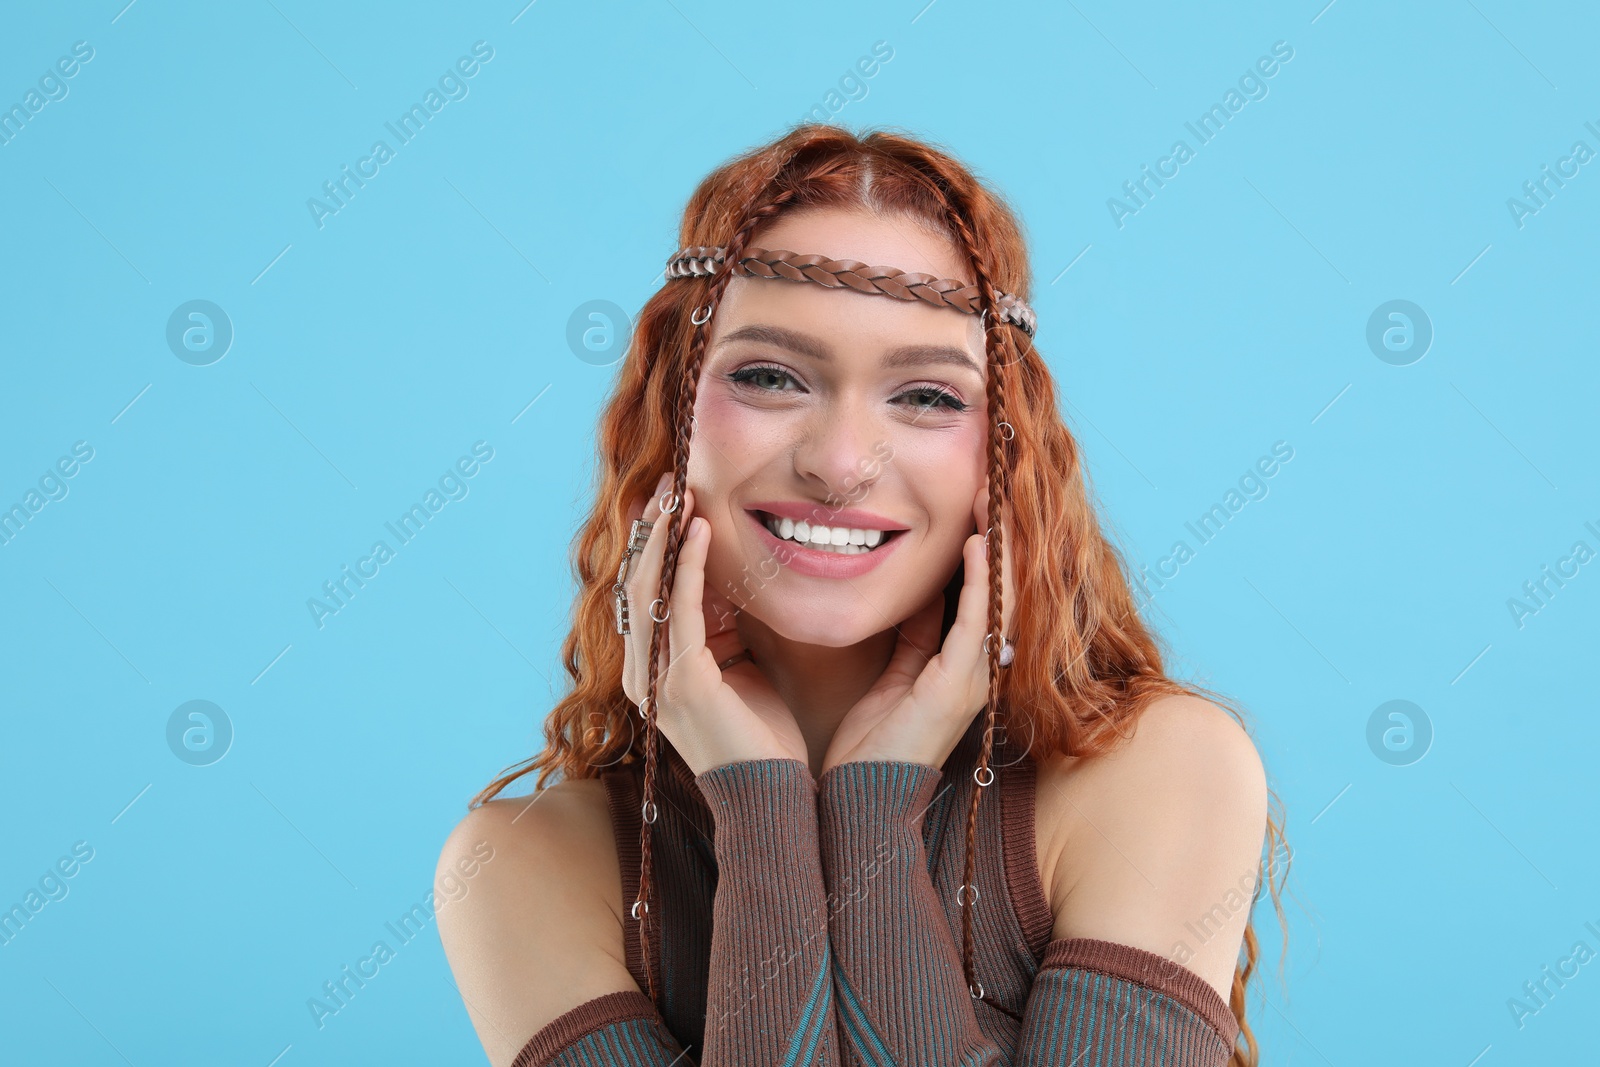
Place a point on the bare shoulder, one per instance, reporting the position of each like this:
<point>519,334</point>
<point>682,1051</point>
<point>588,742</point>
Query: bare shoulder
<point>1157,844</point>
<point>535,929</point>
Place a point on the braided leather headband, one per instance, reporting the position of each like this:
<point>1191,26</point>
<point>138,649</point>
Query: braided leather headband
<point>839,273</point>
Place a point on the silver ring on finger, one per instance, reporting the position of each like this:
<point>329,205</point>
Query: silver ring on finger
<point>639,534</point>
<point>620,594</point>
<point>738,657</point>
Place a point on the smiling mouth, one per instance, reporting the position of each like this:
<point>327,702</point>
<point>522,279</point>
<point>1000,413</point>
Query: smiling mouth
<point>856,542</point>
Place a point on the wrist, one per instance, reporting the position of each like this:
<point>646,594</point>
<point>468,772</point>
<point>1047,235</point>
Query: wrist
<point>873,793</point>
<point>766,802</point>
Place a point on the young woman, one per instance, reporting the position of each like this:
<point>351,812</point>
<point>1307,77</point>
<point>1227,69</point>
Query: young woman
<point>812,807</point>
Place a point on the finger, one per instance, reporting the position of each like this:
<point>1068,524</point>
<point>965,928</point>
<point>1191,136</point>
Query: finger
<point>964,643</point>
<point>687,626</point>
<point>720,613</point>
<point>642,586</point>
<point>637,508</point>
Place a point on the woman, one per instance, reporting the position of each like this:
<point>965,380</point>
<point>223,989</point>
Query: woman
<point>808,468</point>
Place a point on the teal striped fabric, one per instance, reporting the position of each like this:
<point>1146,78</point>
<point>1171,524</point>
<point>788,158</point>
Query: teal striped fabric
<point>833,941</point>
<point>769,920</point>
<point>870,1047</point>
<point>626,1043</point>
<point>1075,1017</point>
<point>1083,1017</point>
<point>818,1017</point>
<point>903,999</point>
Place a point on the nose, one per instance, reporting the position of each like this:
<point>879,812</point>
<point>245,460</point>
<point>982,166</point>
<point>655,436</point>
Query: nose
<point>837,449</point>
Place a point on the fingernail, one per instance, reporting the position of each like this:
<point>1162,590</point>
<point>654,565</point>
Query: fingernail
<point>663,482</point>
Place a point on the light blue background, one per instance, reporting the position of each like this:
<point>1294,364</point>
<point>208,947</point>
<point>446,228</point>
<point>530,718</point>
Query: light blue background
<point>1229,313</point>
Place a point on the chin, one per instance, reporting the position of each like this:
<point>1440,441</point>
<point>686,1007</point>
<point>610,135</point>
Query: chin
<point>821,628</point>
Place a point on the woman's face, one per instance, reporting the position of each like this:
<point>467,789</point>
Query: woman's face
<point>851,410</point>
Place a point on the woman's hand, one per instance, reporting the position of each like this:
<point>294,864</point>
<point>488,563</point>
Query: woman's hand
<point>712,717</point>
<point>920,707</point>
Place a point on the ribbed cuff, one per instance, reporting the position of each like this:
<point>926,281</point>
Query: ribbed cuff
<point>1150,970</point>
<point>868,796</point>
<point>1114,1005</point>
<point>626,1021</point>
<point>756,802</point>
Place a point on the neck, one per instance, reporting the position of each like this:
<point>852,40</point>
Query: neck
<point>819,684</point>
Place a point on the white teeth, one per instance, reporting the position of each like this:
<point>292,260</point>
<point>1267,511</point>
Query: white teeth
<point>844,540</point>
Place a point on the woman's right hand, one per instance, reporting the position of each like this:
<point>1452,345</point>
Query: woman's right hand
<point>712,717</point>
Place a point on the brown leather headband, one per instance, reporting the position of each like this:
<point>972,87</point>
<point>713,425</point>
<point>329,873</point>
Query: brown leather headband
<point>704,261</point>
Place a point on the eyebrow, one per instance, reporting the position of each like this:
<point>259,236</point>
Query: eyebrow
<point>806,345</point>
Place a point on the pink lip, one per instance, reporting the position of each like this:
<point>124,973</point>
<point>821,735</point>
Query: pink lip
<point>819,564</point>
<point>826,516</point>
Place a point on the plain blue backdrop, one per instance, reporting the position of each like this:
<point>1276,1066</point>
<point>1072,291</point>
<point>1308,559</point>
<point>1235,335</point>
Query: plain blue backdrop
<point>1443,460</point>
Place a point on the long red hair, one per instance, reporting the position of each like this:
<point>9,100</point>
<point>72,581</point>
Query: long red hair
<point>1088,666</point>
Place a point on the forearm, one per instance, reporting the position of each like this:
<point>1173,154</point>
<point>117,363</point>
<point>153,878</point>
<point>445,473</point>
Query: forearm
<point>897,969</point>
<point>769,997</point>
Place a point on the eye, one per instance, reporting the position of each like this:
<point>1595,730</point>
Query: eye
<point>936,398</point>
<point>747,377</point>
<point>928,398</point>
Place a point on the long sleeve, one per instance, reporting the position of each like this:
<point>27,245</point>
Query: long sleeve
<point>770,991</point>
<point>770,999</point>
<point>1124,1007</point>
<point>902,996</point>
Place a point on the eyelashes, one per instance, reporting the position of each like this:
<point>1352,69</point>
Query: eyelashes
<point>940,398</point>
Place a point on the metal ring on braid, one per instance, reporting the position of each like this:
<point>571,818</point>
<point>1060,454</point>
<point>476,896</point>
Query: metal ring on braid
<point>704,260</point>
<point>994,345</point>
<point>683,424</point>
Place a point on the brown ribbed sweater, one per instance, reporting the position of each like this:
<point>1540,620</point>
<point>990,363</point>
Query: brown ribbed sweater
<point>888,836</point>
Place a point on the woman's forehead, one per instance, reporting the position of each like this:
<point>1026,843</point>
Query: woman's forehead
<point>877,240</point>
<point>817,323</point>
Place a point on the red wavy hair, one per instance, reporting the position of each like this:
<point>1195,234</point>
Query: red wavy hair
<point>1091,665</point>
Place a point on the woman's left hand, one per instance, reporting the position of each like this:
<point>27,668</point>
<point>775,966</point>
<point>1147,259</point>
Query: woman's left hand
<point>920,707</point>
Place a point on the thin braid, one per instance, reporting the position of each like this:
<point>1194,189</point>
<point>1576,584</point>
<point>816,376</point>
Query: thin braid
<point>994,346</point>
<point>680,472</point>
